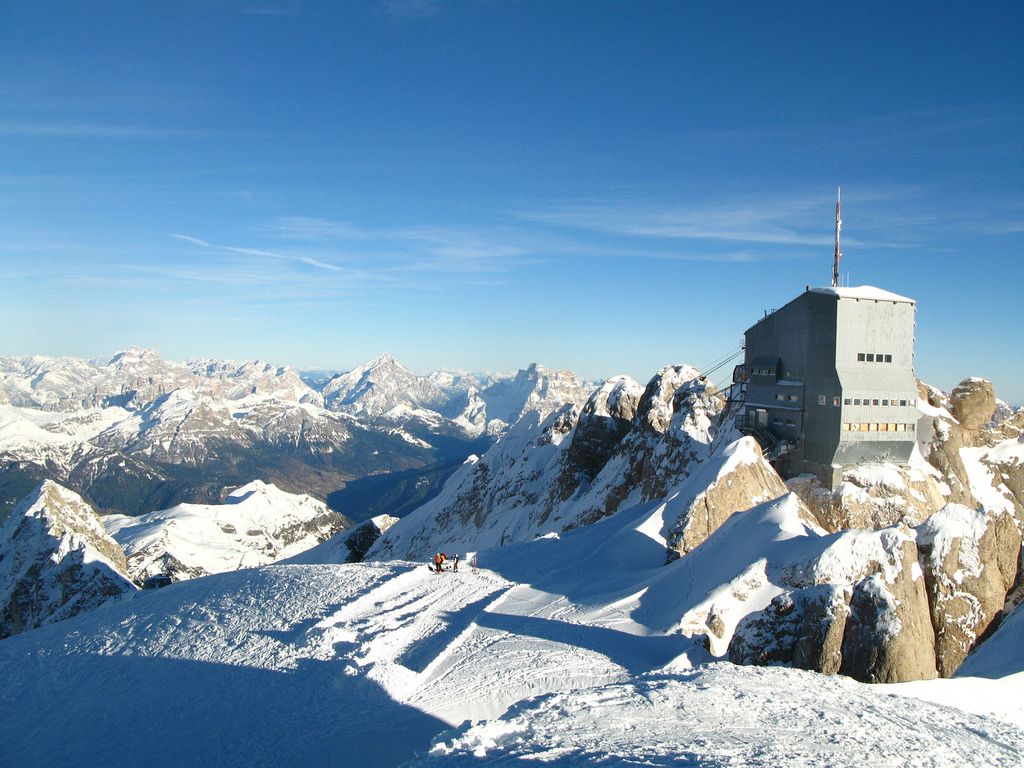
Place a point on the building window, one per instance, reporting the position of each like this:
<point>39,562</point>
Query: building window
<point>892,427</point>
<point>835,400</point>
<point>864,427</point>
<point>878,357</point>
<point>903,403</point>
<point>888,358</point>
<point>793,398</point>
<point>821,399</point>
<point>846,427</point>
<point>874,401</point>
<point>885,402</point>
<point>860,357</point>
<point>790,423</point>
<point>871,358</point>
<point>856,401</point>
<point>847,401</point>
<point>780,396</point>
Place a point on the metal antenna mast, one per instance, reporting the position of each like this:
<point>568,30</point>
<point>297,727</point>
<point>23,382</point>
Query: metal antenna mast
<point>839,225</point>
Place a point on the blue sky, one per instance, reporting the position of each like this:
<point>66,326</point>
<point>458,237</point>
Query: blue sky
<point>604,186</point>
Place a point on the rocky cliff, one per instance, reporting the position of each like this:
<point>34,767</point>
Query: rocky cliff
<point>56,560</point>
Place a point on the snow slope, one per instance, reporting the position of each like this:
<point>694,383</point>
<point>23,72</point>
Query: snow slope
<point>371,663</point>
<point>259,524</point>
<point>722,715</point>
<point>366,664</point>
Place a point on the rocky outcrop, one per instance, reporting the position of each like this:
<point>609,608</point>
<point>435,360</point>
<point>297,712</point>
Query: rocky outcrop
<point>604,421</point>
<point>972,402</point>
<point>872,496</point>
<point>56,561</point>
<point>677,418</point>
<point>553,473</point>
<point>888,606</point>
<point>803,628</point>
<point>743,480</point>
<point>889,636</point>
<point>853,603</point>
<point>970,560</point>
<point>361,537</point>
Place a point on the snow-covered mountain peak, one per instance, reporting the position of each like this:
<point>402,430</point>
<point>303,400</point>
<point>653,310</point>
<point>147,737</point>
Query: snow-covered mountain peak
<point>616,398</point>
<point>56,560</point>
<point>656,405</point>
<point>376,387</point>
<point>258,524</point>
<point>65,513</point>
<point>135,355</point>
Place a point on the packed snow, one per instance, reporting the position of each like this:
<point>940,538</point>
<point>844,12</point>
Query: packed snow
<point>567,650</point>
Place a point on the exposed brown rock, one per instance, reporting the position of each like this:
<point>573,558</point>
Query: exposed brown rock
<point>972,402</point>
<point>871,497</point>
<point>745,485</point>
<point>803,629</point>
<point>889,636</point>
<point>970,560</point>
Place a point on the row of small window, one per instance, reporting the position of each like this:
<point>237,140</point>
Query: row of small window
<point>791,398</point>
<point>822,400</point>
<point>884,427</point>
<point>878,401</point>
<point>873,357</point>
<point>762,371</point>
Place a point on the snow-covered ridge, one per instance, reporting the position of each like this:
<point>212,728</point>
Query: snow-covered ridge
<point>56,560</point>
<point>258,524</point>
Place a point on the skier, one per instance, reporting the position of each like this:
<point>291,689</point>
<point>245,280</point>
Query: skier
<point>438,562</point>
<point>455,563</point>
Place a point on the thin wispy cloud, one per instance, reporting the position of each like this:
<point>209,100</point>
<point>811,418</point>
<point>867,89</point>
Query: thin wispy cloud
<point>85,130</point>
<point>307,260</point>
<point>775,220</point>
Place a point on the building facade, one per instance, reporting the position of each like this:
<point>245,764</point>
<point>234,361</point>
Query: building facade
<point>829,381</point>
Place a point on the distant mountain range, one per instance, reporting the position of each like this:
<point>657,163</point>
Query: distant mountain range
<point>137,433</point>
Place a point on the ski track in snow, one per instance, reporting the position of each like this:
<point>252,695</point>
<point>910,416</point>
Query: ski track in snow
<point>369,664</point>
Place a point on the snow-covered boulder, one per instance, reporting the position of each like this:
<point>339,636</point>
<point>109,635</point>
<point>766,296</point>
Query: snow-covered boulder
<point>56,560</point>
<point>873,496</point>
<point>970,560</point>
<point>258,524</point>
<point>854,603</point>
<point>803,628</point>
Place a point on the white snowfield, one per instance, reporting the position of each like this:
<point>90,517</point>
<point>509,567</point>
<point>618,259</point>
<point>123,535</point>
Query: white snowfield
<point>564,651</point>
<point>258,524</point>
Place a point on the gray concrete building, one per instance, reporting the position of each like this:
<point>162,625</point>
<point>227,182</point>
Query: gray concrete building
<point>828,381</point>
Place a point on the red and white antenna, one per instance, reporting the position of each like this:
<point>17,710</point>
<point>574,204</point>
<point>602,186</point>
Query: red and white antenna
<point>839,226</point>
